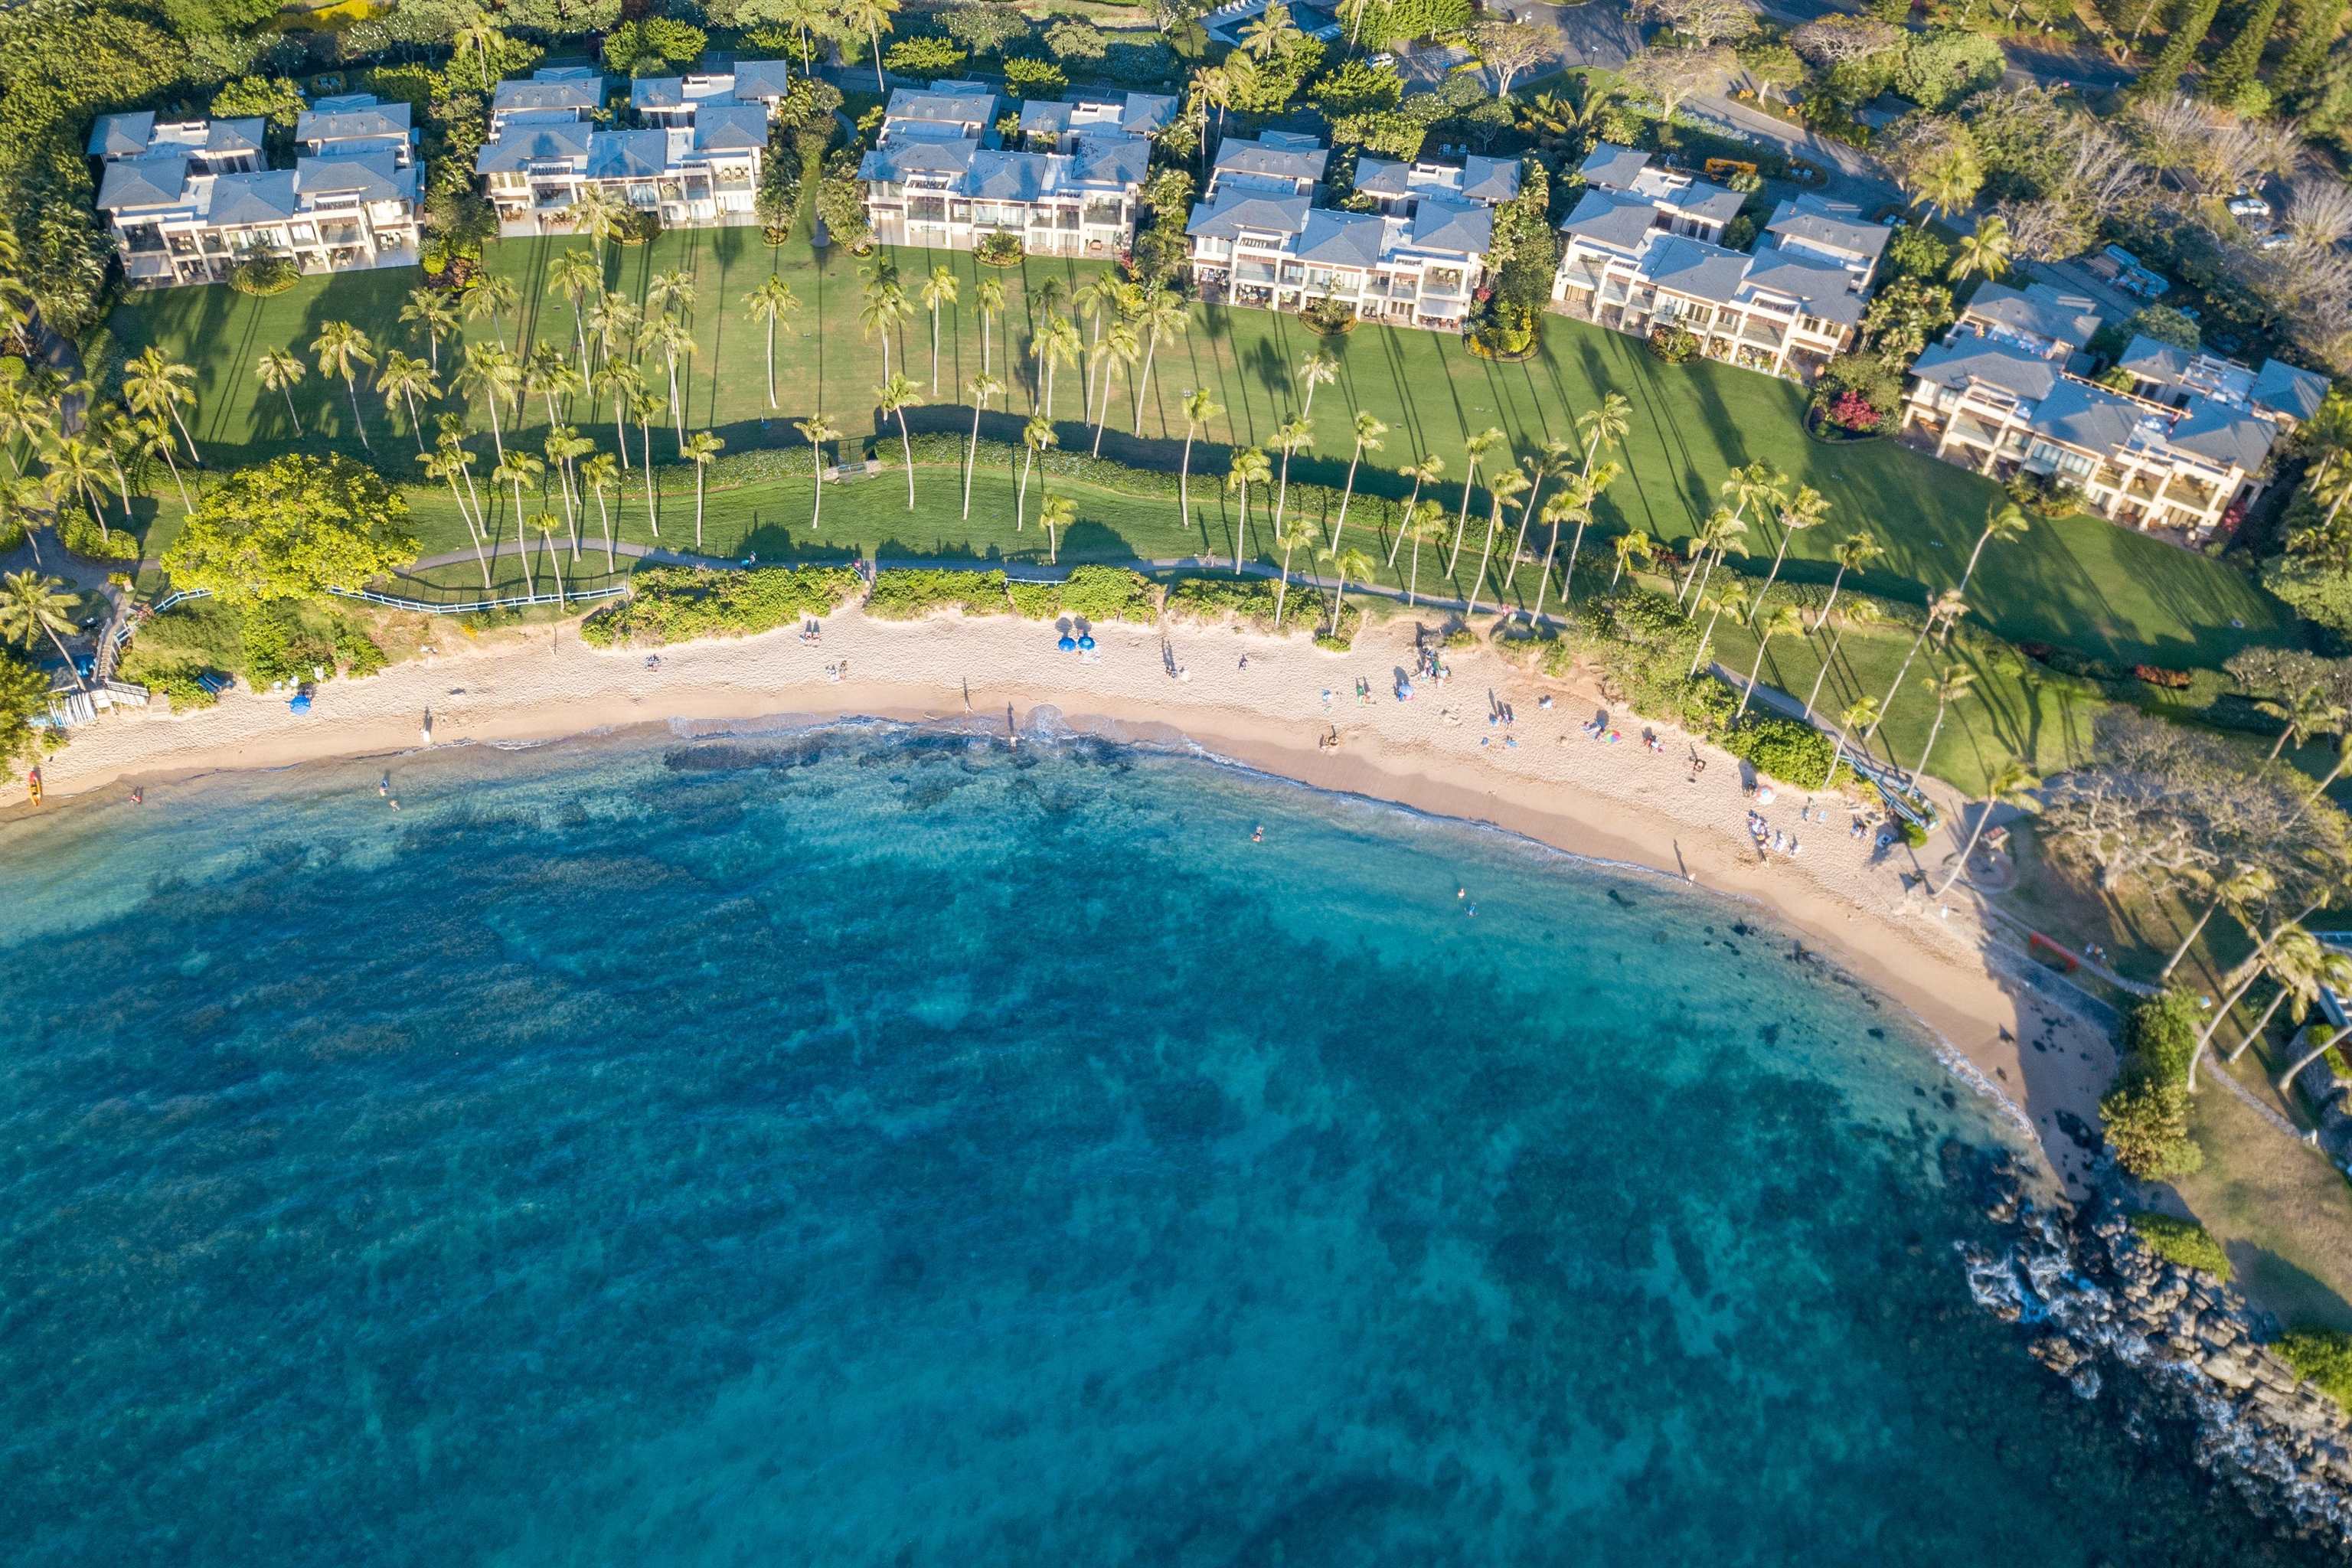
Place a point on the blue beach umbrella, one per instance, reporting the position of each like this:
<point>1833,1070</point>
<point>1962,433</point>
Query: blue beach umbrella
<point>1087,642</point>
<point>1068,643</point>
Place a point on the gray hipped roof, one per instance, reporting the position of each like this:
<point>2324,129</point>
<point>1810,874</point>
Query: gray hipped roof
<point>1614,168</point>
<point>2214,430</point>
<point>1336,238</point>
<point>1008,176</point>
<point>2283,389</point>
<point>945,103</point>
<point>626,154</point>
<point>1271,158</point>
<point>729,128</point>
<point>224,136</point>
<point>1110,160</point>
<point>1822,289</point>
<point>1604,217</point>
<point>241,199</point>
<point>158,180</point>
<point>532,140</point>
<point>352,118</point>
<point>2040,310</point>
<point>371,176</point>
<point>1439,224</point>
<point>1239,208</point>
<point>2087,416</point>
<point>571,88</point>
<point>121,135</point>
<point>1837,226</point>
<point>1968,357</point>
<point>761,81</point>
<point>1694,268</point>
<point>890,166</point>
<point>2152,360</point>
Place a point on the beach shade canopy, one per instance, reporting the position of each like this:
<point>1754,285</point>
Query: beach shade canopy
<point>1068,643</point>
<point>301,704</point>
<point>1087,642</point>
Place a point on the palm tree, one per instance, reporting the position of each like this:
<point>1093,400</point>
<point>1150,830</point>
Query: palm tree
<point>32,605</point>
<point>871,18</point>
<point>1803,508</point>
<point>893,397</point>
<point>1862,711</point>
<point>492,373</point>
<point>1160,314</point>
<point>1199,409</point>
<point>155,441</point>
<point>1633,549</point>
<point>1782,622</point>
<point>885,308</point>
<point>515,470</point>
<point>2334,971</point>
<point>939,289</point>
<point>598,473</point>
<point>1368,431</point>
<point>1574,501</point>
<point>1722,536</point>
<point>2004,522</point>
<point>1353,12</point>
<point>1429,470</point>
<point>491,294</point>
<point>676,342</point>
<point>545,524</point>
<point>73,467</point>
<point>282,373</point>
<point>2343,761</point>
<point>2294,964</point>
<point>1270,33</point>
<point>1477,446</point>
<point>479,35</point>
<point>1094,300</point>
<point>2012,785</point>
<point>1118,347</point>
<point>1860,613</point>
<point>600,215</point>
<point>1857,551</point>
<point>1503,490</point>
<point>626,382</point>
<point>1951,685</point>
<point>1037,436</point>
<point>1054,344</point>
<point>1345,563</point>
<point>2306,711</point>
<point>1289,436</point>
<point>408,378</point>
<point>1553,459</point>
<point>1299,533</point>
<point>979,389</point>
<point>1426,525</point>
<point>670,293</point>
<point>429,312</point>
<point>158,387</point>
<point>816,433</point>
<point>1249,467</point>
<point>1986,251</point>
<point>19,496</point>
<point>1314,372</point>
<point>575,275</point>
<point>1733,598</point>
<point>448,462</point>
<point>1758,484</point>
<point>988,298</point>
<point>2241,891</point>
<point>1605,427</point>
<point>116,435</point>
<point>546,375</point>
<point>1056,512</point>
<point>645,403</point>
<point>699,449</point>
<point>1590,487</point>
<point>1943,610</point>
<point>564,446</point>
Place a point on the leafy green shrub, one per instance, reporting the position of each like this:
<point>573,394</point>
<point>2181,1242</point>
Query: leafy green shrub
<point>2182,1241</point>
<point>1672,343</point>
<point>279,645</point>
<point>2147,1112</point>
<point>78,535</point>
<point>1033,78</point>
<point>674,604</point>
<point>2160,1034</point>
<point>264,273</point>
<point>1785,749</point>
<point>1249,600</point>
<point>177,681</point>
<point>356,652</point>
<point>1109,593</point>
<point>908,592</point>
<point>1914,836</point>
<point>999,250</point>
<point>1034,601</point>
<point>2322,1355</point>
<point>924,57</point>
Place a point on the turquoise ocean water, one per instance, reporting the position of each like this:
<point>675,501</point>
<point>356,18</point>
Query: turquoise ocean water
<point>857,1146</point>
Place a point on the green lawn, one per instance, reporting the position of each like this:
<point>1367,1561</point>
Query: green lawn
<point>2080,582</point>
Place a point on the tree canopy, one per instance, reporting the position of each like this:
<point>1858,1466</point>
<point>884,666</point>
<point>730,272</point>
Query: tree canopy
<point>290,529</point>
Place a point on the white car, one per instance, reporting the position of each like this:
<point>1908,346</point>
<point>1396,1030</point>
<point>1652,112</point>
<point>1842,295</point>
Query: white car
<point>2245,206</point>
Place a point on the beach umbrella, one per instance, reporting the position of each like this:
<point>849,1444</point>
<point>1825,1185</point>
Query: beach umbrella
<point>1068,643</point>
<point>301,704</point>
<point>1087,642</point>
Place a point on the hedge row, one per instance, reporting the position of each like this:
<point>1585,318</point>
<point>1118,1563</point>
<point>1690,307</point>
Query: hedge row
<point>676,603</point>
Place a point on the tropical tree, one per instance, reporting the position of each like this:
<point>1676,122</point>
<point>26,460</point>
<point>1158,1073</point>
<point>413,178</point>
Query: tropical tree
<point>1057,344</point>
<point>1635,549</point>
<point>988,298</point>
<point>1159,314</point>
<point>1368,433</point>
<point>2013,784</point>
<point>1501,490</point>
<point>576,275</point>
<point>1424,525</point>
<point>1299,534</point>
<point>893,397</point>
<point>491,295</point>
<point>515,470</point>
<point>2241,891</point>
<point>1249,467</point>
<point>979,389</point>
<point>2293,963</point>
<point>772,305</point>
<point>1590,487</point>
<point>430,315</point>
<point>1722,534</point>
<point>1985,250</point>
<point>1429,470</point>
<point>1856,552</point>
<point>1603,428</point>
<point>546,375</point>
<point>1801,508</point>
<point>159,387</point>
<point>1037,436</point>
<point>342,350</point>
<point>1199,409</point>
<point>871,18</point>
<point>282,373</point>
<point>1476,447</point>
<point>940,288</point>
<point>600,215</point>
<point>154,438</point>
<point>1944,611</point>
<point>885,309</point>
<point>598,473</point>
<point>74,469</point>
<point>1097,300</point>
<point>645,405</point>
<point>2304,713</point>
<point>20,498</point>
<point>816,433</point>
<point>1555,459</point>
<point>1861,713</point>
<point>1345,563</point>
<point>1733,598</point>
<point>1119,347</point>
<point>1056,513</point>
<point>1784,622</point>
<point>1315,371</point>
<point>479,35</point>
<point>700,448</point>
<point>1573,502</point>
<point>1860,613</point>
<point>449,461</point>
<point>564,448</point>
<point>625,382</point>
<point>676,340</point>
<point>491,371</point>
<point>408,378</point>
<point>2334,971</point>
<point>1289,436</point>
<point>1951,685</point>
<point>2004,522</point>
<point>32,606</point>
<point>544,524</point>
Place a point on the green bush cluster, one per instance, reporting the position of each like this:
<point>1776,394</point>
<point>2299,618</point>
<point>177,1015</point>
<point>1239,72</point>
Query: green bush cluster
<point>1643,645</point>
<point>2323,1356</point>
<point>2146,1111</point>
<point>1249,600</point>
<point>2182,1241</point>
<point>908,592</point>
<point>83,537</point>
<point>1096,593</point>
<point>677,603</point>
<point>1788,749</point>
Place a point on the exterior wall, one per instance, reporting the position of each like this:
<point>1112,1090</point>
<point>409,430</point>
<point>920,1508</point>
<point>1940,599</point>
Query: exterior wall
<point>348,237</point>
<point>1432,293</point>
<point>1606,290</point>
<point>1079,224</point>
<point>717,192</point>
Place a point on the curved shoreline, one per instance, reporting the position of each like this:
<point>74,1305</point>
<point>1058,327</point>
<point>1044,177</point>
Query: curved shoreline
<point>1537,777</point>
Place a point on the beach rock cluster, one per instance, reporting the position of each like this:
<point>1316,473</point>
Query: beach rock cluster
<point>2176,1349</point>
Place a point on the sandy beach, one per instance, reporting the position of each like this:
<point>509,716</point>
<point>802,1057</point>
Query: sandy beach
<point>1620,801</point>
